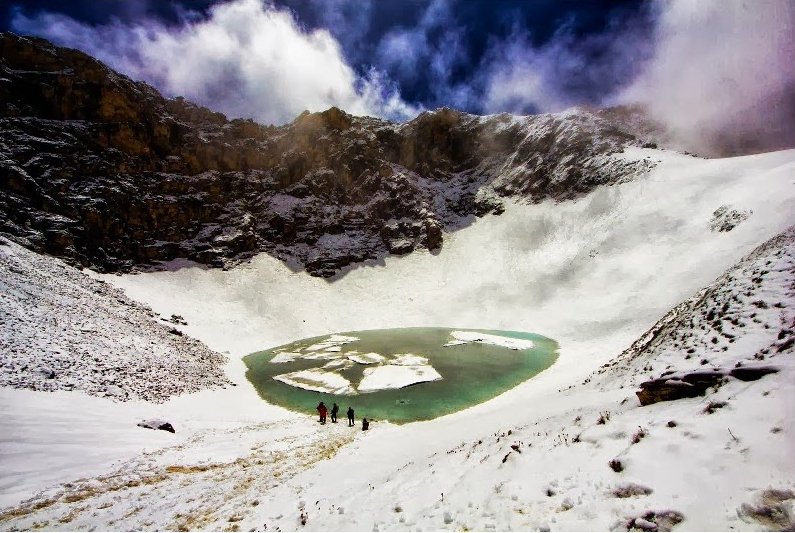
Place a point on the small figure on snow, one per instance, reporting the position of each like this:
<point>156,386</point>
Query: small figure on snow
<point>334,410</point>
<point>350,416</point>
<point>365,424</point>
<point>321,409</point>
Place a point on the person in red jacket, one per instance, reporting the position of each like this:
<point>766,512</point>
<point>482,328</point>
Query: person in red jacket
<point>321,409</point>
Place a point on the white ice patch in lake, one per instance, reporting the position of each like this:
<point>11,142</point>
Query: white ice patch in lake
<point>332,344</point>
<point>366,358</point>
<point>466,337</point>
<point>338,363</point>
<point>317,380</point>
<point>321,355</point>
<point>285,357</point>
<point>396,377</point>
<point>409,359</point>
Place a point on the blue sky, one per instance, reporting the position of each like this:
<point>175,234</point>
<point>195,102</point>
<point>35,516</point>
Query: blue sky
<point>698,65</point>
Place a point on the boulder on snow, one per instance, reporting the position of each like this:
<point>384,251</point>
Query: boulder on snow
<point>677,387</point>
<point>663,390</point>
<point>703,377</point>
<point>752,373</point>
<point>157,424</point>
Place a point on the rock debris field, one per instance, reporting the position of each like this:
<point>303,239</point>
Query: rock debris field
<point>62,330</point>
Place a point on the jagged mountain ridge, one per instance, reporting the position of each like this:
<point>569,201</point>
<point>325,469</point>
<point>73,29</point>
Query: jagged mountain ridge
<point>106,172</point>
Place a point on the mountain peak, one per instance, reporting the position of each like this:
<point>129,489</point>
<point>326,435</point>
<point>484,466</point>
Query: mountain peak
<point>142,179</point>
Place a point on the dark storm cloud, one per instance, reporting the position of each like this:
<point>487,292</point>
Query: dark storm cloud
<point>716,73</point>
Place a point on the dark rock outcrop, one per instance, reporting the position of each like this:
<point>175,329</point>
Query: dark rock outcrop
<point>752,373</point>
<point>663,390</point>
<point>157,424</point>
<point>107,173</point>
<point>676,386</point>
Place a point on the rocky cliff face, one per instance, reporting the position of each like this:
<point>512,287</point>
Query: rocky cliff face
<point>106,172</point>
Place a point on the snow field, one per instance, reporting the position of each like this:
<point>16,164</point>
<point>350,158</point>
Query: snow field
<point>594,274</point>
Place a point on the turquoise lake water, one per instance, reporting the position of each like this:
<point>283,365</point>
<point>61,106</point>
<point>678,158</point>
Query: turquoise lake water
<point>471,373</point>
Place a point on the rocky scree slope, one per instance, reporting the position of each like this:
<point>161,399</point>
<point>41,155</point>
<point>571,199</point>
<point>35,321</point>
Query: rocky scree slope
<point>740,327</point>
<point>105,172</point>
<point>62,330</point>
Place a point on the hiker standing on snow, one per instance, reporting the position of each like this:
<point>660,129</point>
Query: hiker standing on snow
<point>350,416</point>
<point>334,410</point>
<point>321,409</point>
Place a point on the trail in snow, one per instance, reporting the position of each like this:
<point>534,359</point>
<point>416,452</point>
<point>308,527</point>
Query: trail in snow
<point>168,489</point>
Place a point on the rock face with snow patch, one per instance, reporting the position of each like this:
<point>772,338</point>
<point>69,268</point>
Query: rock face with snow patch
<point>107,173</point>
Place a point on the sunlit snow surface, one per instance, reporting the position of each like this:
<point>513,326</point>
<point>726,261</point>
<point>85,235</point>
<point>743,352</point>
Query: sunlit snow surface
<point>595,274</point>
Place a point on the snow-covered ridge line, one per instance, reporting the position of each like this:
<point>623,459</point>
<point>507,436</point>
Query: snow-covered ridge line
<point>62,330</point>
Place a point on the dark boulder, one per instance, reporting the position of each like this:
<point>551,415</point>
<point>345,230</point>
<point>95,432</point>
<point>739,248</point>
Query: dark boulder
<point>678,386</point>
<point>663,390</point>
<point>752,373</point>
<point>157,424</point>
<point>705,378</point>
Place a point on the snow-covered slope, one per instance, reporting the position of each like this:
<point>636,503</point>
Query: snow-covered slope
<point>594,274</point>
<point>743,320</point>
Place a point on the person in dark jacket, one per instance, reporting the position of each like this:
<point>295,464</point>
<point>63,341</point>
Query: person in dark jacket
<point>322,410</point>
<point>365,424</point>
<point>334,410</point>
<point>350,416</point>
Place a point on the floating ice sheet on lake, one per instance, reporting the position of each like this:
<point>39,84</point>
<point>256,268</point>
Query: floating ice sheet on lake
<point>331,344</point>
<point>409,359</point>
<point>466,337</point>
<point>338,363</point>
<point>396,377</point>
<point>285,357</point>
<point>317,380</point>
<point>366,358</point>
<point>321,355</point>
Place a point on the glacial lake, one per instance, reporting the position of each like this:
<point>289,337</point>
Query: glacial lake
<point>401,375</point>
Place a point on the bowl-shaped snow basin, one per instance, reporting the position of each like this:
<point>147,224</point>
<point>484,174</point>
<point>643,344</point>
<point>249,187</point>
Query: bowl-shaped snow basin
<point>401,375</point>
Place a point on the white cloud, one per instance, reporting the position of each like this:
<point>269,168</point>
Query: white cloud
<point>428,54</point>
<point>246,59</point>
<point>718,73</point>
<point>519,76</point>
<point>722,77</point>
<point>564,71</point>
